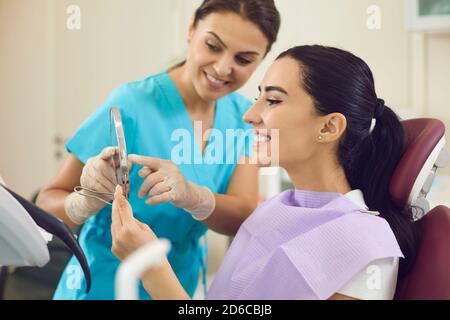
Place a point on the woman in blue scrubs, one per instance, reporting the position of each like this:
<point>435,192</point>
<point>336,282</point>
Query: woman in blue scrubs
<point>228,39</point>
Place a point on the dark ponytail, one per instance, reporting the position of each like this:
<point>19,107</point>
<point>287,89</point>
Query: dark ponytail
<point>375,161</point>
<point>374,141</point>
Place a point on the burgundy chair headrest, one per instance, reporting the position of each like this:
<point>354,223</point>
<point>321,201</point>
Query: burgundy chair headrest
<point>430,277</point>
<point>423,135</point>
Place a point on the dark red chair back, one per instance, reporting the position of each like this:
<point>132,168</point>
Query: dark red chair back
<point>410,184</point>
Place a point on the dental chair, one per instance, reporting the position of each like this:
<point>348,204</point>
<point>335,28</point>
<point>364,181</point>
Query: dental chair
<point>429,279</point>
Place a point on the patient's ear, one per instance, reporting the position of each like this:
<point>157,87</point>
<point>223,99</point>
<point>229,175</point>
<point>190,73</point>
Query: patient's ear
<point>334,126</point>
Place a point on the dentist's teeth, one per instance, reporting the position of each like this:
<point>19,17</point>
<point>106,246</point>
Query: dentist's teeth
<point>214,80</point>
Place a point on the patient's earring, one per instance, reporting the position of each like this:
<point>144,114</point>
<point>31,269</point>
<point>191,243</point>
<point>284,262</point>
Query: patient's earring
<point>320,138</point>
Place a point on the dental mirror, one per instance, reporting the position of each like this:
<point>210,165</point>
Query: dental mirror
<point>120,159</point>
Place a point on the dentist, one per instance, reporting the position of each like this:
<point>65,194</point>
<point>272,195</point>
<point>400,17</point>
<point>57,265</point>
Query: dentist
<point>228,39</point>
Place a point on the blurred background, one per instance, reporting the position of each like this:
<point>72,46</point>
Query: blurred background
<point>54,73</point>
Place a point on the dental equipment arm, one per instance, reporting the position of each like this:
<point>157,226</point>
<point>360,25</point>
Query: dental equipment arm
<point>149,263</point>
<point>56,227</point>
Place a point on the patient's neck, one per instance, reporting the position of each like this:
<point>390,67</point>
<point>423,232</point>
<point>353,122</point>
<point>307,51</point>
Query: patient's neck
<point>324,175</point>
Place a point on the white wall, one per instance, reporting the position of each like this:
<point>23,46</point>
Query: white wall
<point>25,146</point>
<point>343,24</point>
<point>438,75</point>
<point>119,41</point>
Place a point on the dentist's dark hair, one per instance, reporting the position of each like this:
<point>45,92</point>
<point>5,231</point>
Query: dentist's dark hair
<point>262,13</point>
<point>340,82</point>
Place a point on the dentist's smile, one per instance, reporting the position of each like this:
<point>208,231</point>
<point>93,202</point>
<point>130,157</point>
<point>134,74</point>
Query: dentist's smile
<point>215,83</point>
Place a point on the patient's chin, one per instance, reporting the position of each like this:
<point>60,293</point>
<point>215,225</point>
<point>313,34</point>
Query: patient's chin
<point>263,156</point>
<point>264,160</point>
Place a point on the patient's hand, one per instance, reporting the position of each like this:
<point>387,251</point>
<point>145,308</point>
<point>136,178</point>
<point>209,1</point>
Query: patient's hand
<point>128,233</point>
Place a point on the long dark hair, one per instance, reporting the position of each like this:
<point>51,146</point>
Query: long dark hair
<point>340,82</point>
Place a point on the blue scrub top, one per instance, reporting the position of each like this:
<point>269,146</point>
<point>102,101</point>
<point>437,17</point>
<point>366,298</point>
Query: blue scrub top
<point>155,122</point>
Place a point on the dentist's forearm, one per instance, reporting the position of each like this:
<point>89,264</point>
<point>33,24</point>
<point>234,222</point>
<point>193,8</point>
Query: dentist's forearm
<point>52,201</point>
<point>230,213</point>
<point>161,283</point>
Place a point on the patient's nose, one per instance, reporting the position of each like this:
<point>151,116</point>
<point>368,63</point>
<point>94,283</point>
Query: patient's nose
<point>253,116</point>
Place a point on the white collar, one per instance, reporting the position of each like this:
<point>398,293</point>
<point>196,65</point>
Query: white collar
<point>357,197</point>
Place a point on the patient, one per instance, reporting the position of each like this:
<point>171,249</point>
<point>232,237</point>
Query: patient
<point>339,144</point>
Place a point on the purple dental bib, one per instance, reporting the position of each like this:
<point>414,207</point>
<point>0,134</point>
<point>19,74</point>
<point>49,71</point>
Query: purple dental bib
<point>301,246</point>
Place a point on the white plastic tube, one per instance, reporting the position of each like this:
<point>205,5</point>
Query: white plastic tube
<point>133,267</point>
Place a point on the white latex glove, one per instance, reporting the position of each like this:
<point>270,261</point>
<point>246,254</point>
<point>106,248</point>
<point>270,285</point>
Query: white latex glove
<point>98,175</point>
<point>164,182</point>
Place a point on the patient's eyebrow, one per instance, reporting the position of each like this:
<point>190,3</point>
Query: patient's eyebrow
<point>273,88</point>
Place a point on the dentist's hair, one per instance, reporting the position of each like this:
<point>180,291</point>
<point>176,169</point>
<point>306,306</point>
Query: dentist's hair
<point>263,13</point>
<point>340,82</point>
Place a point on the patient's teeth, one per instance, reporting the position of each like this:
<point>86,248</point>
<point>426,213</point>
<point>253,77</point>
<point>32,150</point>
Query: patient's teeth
<point>262,139</point>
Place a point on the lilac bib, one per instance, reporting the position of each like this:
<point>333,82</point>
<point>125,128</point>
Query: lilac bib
<point>301,246</point>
